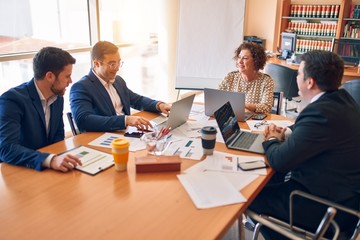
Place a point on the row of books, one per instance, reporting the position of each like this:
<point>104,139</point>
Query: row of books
<point>305,45</point>
<point>313,29</point>
<point>351,30</point>
<point>314,11</point>
<point>348,50</point>
<point>355,11</point>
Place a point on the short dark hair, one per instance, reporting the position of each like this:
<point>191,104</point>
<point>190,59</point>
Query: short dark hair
<point>51,59</point>
<point>257,51</point>
<point>101,48</point>
<point>326,68</point>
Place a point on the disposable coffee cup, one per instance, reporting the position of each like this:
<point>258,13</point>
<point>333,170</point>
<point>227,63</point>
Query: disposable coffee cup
<point>208,139</point>
<point>120,152</point>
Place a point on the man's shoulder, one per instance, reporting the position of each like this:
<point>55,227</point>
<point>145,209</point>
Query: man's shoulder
<point>18,91</point>
<point>84,82</point>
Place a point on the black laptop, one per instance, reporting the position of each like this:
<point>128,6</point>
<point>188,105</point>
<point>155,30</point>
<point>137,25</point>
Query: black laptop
<point>233,136</point>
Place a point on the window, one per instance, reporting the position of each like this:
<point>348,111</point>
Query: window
<point>72,25</point>
<point>32,24</point>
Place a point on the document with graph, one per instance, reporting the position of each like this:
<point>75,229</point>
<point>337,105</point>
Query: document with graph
<point>93,161</point>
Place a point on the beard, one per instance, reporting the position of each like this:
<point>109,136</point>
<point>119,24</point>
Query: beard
<point>56,89</point>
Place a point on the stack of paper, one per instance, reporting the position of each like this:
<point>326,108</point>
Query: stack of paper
<point>210,189</point>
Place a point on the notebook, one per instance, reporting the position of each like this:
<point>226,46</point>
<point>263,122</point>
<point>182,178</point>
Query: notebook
<point>179,114</point>
<point>215,98</point>
<point>234,138</point>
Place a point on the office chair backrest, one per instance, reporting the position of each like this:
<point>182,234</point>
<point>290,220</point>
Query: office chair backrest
<point>284,79</point>
<point>353,87</point>
<point>74,129</point>
<point>277,105</point>
<point>291,231</point>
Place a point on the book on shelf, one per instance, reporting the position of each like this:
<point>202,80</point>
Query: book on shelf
<point>351,30</point>
<point>314,11</point>
<point>354,11</point>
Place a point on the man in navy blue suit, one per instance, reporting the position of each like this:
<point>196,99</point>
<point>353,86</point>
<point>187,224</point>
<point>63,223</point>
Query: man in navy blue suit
<point>31,114</point>
<point>101,101</point>
<point>320,154</point>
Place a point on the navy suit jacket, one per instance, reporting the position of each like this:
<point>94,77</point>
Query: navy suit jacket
<point>323,151</point>
<point>23,129</point>
<point>93,110</point>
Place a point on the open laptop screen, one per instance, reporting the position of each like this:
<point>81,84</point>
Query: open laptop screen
<point>227,122</point>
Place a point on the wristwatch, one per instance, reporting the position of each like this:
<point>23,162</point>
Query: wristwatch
<point>271,138</point>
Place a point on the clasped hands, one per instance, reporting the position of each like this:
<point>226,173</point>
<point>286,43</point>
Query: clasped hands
<point>273,131</point>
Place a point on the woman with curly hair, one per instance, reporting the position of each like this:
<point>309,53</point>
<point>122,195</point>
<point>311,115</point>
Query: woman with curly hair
<point>258,87</point>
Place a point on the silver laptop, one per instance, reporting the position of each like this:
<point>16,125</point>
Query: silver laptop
<point>179,114</point>
<point>234,138</point>
<point>215,98</point>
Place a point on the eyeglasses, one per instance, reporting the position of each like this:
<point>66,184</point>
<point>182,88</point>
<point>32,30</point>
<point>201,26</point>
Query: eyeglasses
<point>262,123</point>
<point>114,65</point>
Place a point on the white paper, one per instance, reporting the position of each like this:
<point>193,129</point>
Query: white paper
<point>210,189</point>
<point>93,161</point>
<point>189,148</point>
<point>197,112</point>
<point>226,162</point>
<point>238,180</point>
<point>106,139</point>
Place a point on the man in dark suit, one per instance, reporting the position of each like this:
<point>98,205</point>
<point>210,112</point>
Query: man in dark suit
<point>320,154</point>
<point>101,101</point>
<point>31,114</point>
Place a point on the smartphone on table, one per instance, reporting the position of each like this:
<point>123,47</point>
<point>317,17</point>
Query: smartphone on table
<point>247,166</point>
<point>137,134</point>
<point>259,116</point>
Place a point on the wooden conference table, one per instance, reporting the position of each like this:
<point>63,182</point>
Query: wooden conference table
<point>109,205</point>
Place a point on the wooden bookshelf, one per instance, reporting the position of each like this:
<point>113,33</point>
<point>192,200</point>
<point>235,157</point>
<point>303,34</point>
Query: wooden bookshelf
<point>318,27</point>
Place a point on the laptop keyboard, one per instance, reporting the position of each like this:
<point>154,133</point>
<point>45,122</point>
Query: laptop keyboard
<point>159,120</point>
<point>245,140</point>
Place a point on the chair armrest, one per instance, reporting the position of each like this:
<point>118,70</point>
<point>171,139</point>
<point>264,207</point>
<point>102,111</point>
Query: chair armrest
<point>328,217</point>
<point>274,224</point>
<point>322,201</point>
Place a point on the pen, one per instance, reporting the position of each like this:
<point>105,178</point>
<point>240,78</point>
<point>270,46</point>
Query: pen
<point>176,151</point>
<point>186,155</point>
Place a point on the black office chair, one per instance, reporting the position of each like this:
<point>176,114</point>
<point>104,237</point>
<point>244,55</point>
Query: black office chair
<point>284,81</point>
<point>289,230</point>
<point>353,87</point>
<point>74,129</point>
<point>277,105</point>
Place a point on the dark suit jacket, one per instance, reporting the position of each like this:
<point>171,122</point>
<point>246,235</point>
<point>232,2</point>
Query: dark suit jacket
<point>23,129</point>
<point>93,110</point>
<point>323,151</point>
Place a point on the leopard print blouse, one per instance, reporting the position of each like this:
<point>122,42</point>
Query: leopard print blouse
<point>259,91</point>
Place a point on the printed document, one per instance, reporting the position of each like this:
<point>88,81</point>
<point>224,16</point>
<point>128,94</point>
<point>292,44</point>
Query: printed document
<point>93,161</point>
<point>106,139</point>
